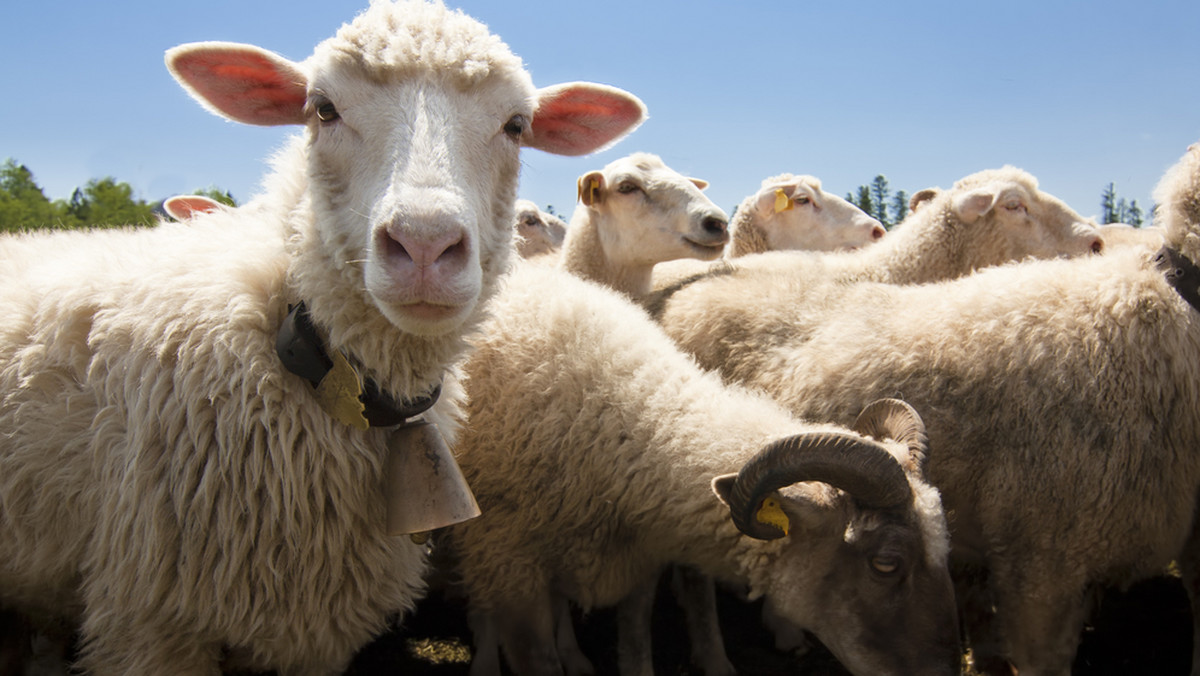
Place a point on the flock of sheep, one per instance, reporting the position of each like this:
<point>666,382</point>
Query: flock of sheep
<point>908,444</point>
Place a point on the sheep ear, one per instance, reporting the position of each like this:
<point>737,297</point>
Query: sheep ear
<point>699,183</point>
<point>972,205</point>
<point>241,82</point>
<point>590,188</point>
<point>722,486</point>
<point>580,117</point>
<point>921,197</point>
<point>183,207</point>
<point>774,199</point>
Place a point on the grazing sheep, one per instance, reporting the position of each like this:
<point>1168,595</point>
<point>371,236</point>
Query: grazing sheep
<point>617,441</point>
<point>540,233</point>
<point>794,212</point>
<point>634,213</point>
<point>164,479</point>
<point>1061,402</point>
<point>987,218</point>
<point>184,207</point>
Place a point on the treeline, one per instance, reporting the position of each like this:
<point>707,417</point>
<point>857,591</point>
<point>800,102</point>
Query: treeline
<point>103,202</point>
<point>877,199</point>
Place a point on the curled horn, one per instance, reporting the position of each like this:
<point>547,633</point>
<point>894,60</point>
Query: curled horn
<point>894,419</point>
<point>858,466</point>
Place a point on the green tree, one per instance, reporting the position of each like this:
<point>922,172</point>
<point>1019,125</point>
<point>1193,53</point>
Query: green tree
<point>879,199</point>
<point>1114,209</point>
<point>899,208</point>
<point>23,204</point>
<point>1108,204</point>
<point>862,200</point>
<point>106,202</point>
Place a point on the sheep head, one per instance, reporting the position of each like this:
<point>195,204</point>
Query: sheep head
<point>861,559</point>
<point>414,117</point>
<point>795,212</point>
<point>1006,218</point>
<point>646,213</point>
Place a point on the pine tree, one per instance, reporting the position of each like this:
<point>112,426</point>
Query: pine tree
<point>899,208</point>
<point>1108,205</point>
<point>879,198</point>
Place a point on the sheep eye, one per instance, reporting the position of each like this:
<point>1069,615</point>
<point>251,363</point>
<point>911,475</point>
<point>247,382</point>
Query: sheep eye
<point>1014,206</point>
<point>885,565</point>
<point>326,111</point>
<point>515,126</point>
<point>627,187</point>
<point>802,200</point>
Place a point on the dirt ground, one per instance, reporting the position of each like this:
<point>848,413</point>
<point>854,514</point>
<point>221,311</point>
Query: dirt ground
<point>1144,631</point>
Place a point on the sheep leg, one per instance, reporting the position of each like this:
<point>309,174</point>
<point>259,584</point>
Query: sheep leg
<point>525,629</point>
<point>574,662</point>
<point>977,613</point>
<point>697,596</point>
<point>485,656</point>
<point>1189,568</point>
<point>634,615</point>
<point>1042,625</point>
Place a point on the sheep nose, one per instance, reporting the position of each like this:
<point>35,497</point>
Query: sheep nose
<point>442,249</point>
<point>1097,245</point>
<point>714,226</point>
<point>877,232</point>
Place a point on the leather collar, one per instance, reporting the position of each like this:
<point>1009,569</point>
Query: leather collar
<point>303,353</point>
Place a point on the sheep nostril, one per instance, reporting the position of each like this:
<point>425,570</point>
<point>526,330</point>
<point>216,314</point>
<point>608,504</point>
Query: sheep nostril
<point>877,232</point>
<point>714,226</point>
<point>1097,245</point>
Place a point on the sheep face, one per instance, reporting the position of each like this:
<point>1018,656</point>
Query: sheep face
<point>858,542</point>
<point>1011,219</point>
<point>865,585</point>
<point>540,233</point>
<point>648,213</point>
<point>796,213</point>
<point>412,150</point>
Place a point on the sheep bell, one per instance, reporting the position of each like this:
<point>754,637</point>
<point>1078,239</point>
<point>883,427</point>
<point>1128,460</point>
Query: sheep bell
<point>425,488</point>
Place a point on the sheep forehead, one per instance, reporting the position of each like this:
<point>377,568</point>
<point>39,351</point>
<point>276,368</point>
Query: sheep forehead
<point>637,163</point>
<point>1005,174</point>
<point>398,39</point>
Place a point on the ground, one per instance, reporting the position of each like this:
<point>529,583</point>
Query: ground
<point>1145,630</point>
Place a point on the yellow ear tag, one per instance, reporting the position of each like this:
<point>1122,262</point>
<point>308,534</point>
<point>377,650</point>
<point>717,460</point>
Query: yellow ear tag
<point>782,201</point>
<point>593,191</point>
<point>772,513</point>
<point>338,393</point>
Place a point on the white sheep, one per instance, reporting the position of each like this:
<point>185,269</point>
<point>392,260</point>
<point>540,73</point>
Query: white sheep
<point>987,218</point>
<point>540,233</point>
<point>634,213</point>
<point>1061,401</point>
<point>1123,234</point>
<point>792,211</point>
<point>164,480</point>
<point>591,446</point>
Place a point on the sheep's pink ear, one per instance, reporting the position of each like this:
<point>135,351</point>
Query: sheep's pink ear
<point>581,117</point>
<point>183,207</point>
<point>241,82</point>
<point>699,183</point>
<point>971,205</point>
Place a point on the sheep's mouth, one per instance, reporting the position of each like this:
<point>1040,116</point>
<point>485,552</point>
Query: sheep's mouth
<point>709,246</point>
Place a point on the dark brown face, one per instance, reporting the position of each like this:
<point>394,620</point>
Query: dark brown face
<point>880,606</point>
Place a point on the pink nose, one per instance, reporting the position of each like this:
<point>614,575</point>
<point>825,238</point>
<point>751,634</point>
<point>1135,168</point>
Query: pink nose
<point>438,250</point>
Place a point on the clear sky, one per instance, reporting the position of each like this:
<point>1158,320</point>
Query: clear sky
<point>1078,93</point>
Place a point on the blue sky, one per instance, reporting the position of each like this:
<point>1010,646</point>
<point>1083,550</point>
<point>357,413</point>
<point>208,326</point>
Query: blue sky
<point>1077,93</point>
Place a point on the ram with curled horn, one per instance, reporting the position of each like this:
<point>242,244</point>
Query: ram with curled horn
<point>604,479</point>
